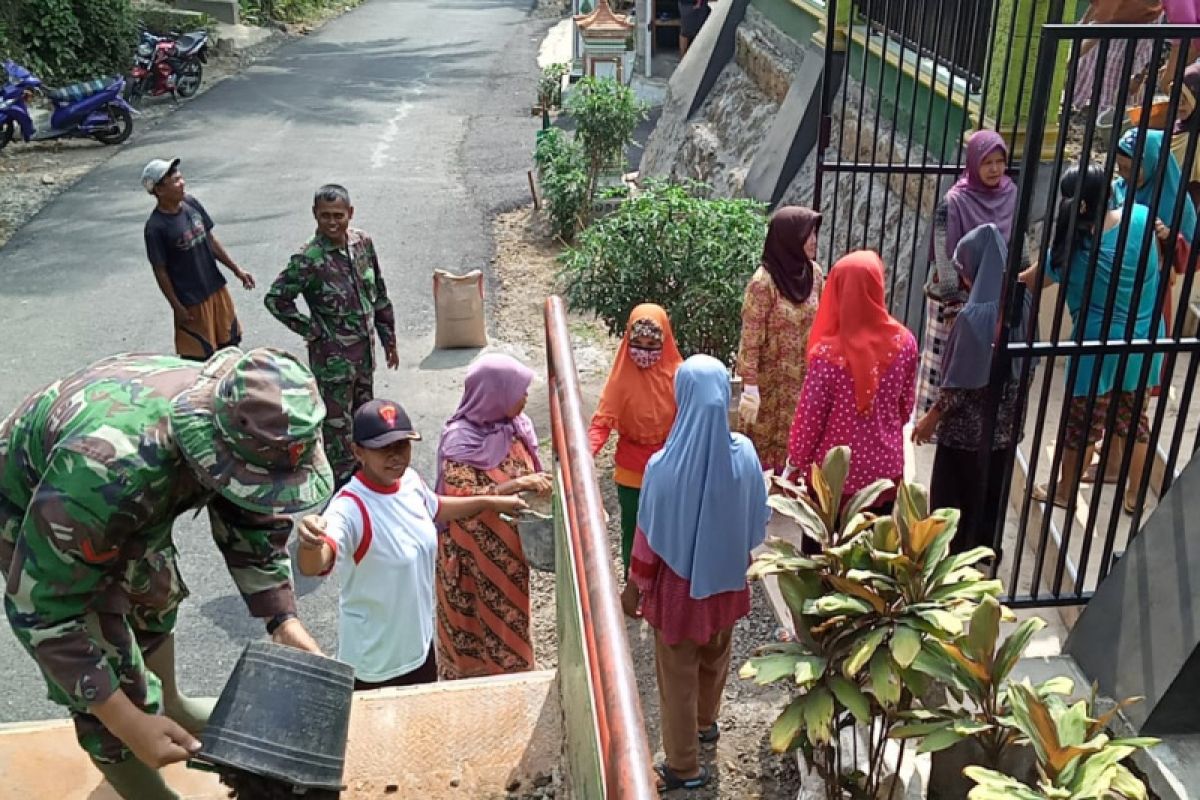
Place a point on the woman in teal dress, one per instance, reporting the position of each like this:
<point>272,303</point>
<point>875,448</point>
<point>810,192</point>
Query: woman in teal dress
<point>1069,265</point>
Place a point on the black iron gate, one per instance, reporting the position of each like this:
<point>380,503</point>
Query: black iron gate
<point>891,142</point>
<point>1137,280</point>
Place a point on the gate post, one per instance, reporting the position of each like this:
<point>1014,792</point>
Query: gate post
<point>1008,88</point>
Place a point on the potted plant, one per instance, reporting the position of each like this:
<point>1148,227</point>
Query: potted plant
<point>975,666</point>
<point>879,594</point>
<point>1076,759</point>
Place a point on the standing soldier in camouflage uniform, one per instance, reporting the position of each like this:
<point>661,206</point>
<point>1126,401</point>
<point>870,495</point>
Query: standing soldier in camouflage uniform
<point>338,275</point>
<point>94,470</point>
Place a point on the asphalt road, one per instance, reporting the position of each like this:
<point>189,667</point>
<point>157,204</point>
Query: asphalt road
<point>420,108</point>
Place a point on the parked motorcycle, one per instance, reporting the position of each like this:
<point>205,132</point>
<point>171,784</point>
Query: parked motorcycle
<point>170,64</point>
<point>92,109</point>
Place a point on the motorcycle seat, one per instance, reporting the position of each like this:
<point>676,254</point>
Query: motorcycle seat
<point>77,91</point>
<point>189,40</point>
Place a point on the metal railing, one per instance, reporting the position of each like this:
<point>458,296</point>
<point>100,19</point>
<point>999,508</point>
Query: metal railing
<point>945,36</point>
<point>611,710</point>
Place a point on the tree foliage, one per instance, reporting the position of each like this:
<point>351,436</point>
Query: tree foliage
<point>68,40</point>
<point>606,113</point>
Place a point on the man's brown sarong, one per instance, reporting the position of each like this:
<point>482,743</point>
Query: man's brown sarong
<point>214,324</point>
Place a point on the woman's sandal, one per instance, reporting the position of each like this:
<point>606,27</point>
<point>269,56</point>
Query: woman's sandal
<point>669,780</point>
<point>1042,495</point>
<point>710,734</point>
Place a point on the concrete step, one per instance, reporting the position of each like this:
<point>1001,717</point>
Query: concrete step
<point>226,11</point>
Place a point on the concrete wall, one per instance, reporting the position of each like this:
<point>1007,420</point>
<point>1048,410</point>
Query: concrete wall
<point>227,11</point>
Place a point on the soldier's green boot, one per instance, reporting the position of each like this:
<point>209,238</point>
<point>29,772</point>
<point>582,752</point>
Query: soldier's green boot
<point>133,780</point>
<point>190,712</point>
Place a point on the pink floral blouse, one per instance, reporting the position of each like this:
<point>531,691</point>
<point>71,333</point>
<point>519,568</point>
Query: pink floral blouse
<point>828,417</point>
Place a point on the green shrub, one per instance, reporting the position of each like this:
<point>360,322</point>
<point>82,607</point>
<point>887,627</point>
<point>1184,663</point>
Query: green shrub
<point>69,40</point>
<point>48,31</point>
<point>562,171</point>
<point>112,36</point>
<point>606,113</point>
<point>691,255</point>
<point>9,18</point>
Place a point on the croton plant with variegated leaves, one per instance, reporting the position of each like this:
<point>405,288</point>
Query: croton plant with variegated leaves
<point>1076,757</point>
<point>868,607</point>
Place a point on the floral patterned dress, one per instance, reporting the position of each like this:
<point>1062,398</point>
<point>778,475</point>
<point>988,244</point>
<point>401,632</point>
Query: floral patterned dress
<point>483,580</point>
<point>774,357</point>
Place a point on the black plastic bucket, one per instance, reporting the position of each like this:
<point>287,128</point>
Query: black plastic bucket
<point>285,715</point>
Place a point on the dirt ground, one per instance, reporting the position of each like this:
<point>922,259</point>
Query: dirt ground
<point>742,763</point>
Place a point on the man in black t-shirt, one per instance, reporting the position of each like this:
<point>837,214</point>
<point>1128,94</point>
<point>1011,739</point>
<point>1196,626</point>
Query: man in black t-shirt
<point>184,253</point>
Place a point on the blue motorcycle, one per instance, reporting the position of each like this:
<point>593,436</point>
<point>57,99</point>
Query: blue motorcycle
<point>92,109</point>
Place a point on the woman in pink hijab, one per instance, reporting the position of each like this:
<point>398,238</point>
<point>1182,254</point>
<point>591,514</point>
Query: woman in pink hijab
<point>489,446</point>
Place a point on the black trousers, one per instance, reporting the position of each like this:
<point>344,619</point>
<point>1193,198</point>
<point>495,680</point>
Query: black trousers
<point>426,673</point>
<point>956,484</point>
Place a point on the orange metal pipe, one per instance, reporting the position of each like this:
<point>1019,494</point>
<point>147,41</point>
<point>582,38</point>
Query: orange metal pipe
<point>627,764</point>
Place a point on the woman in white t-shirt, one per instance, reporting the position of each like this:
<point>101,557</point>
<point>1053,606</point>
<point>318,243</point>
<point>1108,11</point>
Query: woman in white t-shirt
<point>380,535</point>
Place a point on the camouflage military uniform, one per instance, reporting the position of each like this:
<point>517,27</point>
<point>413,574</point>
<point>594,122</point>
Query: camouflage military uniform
<point>95,468</point>
<point>348,304</point>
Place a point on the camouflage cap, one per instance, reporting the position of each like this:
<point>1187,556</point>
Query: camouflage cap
<point>251,428</point>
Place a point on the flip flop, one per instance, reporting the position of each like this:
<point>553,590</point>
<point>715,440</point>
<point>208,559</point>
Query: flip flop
<point>671,781</point>
<point>1042,495</point>
<point>710,734</point>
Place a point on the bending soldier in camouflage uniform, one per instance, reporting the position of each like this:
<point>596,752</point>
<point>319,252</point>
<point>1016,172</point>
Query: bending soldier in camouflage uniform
<point>338,275</point>
<point>94,470</point>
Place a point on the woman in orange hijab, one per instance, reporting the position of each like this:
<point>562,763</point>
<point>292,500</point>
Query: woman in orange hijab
<point>638,402</point>
<point>861,384</point>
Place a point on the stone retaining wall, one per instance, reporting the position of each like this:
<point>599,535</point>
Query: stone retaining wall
<point>718,144</point>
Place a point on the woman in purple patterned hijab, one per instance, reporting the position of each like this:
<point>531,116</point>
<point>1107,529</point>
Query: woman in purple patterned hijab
<point>483,428</point>
<point>488,447</point>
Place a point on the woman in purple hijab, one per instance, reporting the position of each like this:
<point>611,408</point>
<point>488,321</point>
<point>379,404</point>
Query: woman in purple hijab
<point>489,446</point>
<point>983,195</point>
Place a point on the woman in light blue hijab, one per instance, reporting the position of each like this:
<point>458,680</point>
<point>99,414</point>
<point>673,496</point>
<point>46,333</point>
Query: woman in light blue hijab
<point>703,510</point>
<point>1171,192</point>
